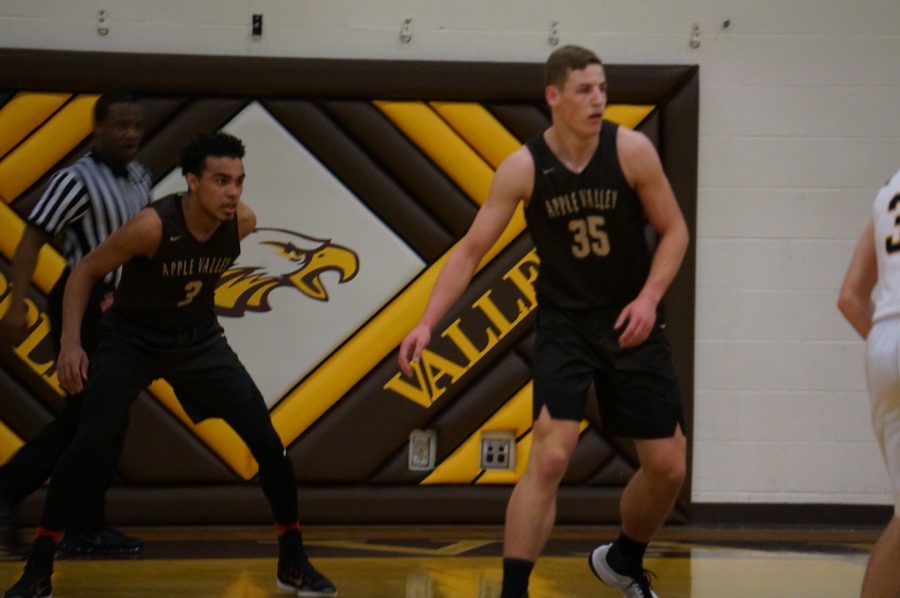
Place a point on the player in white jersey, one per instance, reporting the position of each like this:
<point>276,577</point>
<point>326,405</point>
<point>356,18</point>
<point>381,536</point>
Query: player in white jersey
<point>876,317</point>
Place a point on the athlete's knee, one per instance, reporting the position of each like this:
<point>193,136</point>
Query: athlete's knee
<point>96,441</point>
<point>550,463</point>
<point>666,469</point>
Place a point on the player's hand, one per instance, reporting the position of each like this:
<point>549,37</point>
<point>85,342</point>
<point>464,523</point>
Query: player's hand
<point>411,348</point>
<point>637,319</point>
<point>106,302</point>
<point>72,369</point>
<point>13,325</point>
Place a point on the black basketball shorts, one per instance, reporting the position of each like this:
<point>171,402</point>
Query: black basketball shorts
<point>637,389</point>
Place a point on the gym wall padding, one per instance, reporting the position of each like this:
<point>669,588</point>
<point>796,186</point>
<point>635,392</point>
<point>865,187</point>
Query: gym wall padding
<point>402,153</point>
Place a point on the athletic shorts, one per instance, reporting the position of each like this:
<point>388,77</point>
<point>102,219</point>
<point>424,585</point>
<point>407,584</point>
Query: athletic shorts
<point>637,389</point>
<point>883,375</point>
<point>206,374</point>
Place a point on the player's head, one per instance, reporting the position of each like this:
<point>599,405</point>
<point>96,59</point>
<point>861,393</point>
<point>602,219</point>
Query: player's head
<point>213,167</point>
<point>220,144</point>
<point>118,128</point>
<point>566,59</point>
<point>576,90</point>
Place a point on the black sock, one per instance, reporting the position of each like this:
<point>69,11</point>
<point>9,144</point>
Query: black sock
<point>515,577</point>
<point>40,559</point>
<point>627,555</point>
<point>290,547</point>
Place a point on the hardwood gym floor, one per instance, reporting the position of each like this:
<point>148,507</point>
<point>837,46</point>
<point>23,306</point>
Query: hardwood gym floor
<point>464,562</point>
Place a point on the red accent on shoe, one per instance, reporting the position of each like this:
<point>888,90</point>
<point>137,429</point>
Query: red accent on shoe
<point>282,528</point>
<point>49,533</point>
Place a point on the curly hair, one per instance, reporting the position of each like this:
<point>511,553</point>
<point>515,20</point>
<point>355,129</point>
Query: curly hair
<point>223,145</point>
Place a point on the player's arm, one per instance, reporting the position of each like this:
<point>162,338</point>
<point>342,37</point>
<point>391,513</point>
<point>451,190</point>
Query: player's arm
<point>855,298</point>
<point>140,236</point>
<point>512,182</point>
<point>246,220</point>
<point>643,169</point>
<point>23,264</point>
<point>64,200</point>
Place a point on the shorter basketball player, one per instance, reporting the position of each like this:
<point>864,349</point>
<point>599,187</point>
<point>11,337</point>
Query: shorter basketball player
<point>876,266</point>
<point>162,325</point>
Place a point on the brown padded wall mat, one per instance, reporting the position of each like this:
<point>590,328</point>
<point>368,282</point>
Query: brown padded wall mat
<point>348,476</point>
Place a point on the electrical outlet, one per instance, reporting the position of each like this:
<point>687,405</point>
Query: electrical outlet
<point>422,450</point>
<point>256,24</point>
<point>498,449</point>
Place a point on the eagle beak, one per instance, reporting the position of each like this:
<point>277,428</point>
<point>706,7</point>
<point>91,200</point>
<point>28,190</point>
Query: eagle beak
<point>334,258</point>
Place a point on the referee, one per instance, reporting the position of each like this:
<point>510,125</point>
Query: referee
<point>83,204</point>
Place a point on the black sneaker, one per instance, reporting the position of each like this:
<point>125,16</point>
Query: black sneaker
<point>11,545</point>
<point>31,585</point>
<point>35,581</point>
<point>296,574</point>
<point>106,542</point>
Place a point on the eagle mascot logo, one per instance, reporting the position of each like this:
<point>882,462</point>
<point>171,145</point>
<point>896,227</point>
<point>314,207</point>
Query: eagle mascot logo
<point>272,258</point>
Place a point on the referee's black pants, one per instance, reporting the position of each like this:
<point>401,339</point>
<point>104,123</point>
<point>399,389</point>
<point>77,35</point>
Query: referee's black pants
<point>208,380</point>
<point>33,463</point>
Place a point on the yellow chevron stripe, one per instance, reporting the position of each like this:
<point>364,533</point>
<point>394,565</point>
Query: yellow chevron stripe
<point>9,443</point>
<point>22,114</point>
<point>477,126</point>
<point>217,435</point>
<point>464,465</point>
<point>629,115</point>
<point>50,264</point>
<point>441,144</point>
<point>37,154</point>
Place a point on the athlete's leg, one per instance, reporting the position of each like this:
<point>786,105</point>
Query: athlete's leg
<point>531,511</point>
<point>882,579</point>
<point>251,420</point>
<point>33,463</point>
<point>221,387</point>
<point>882,576</point>
<point>650,494</point>
<point>214,383</point>
<point>118,372</point>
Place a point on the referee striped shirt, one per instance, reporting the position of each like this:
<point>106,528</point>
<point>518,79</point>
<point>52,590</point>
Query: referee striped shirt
<point>87,201</point>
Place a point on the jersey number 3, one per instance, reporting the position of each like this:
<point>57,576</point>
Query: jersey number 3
<point>191,290</point>
<point>589,237</point>
<point>892,243</point>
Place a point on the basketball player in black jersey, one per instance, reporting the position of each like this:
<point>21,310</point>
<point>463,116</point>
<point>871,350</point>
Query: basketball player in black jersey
<point>162,325</point>
<point>589,188</point>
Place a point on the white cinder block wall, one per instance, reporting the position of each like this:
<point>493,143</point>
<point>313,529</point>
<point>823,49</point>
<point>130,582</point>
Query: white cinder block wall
<point>799,126</point>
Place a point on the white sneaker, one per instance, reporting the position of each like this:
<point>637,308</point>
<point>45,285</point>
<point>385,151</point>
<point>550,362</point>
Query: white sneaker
<point>631,587</point>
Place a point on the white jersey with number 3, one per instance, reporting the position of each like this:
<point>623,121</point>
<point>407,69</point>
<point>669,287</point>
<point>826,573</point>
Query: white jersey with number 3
<point>886,218</point>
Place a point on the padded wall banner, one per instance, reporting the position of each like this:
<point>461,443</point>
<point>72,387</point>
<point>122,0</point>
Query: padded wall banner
<point>363,175</point>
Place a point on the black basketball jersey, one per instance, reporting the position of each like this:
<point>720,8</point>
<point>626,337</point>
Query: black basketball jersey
<point>175,288</point>
<point>588,229</point>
